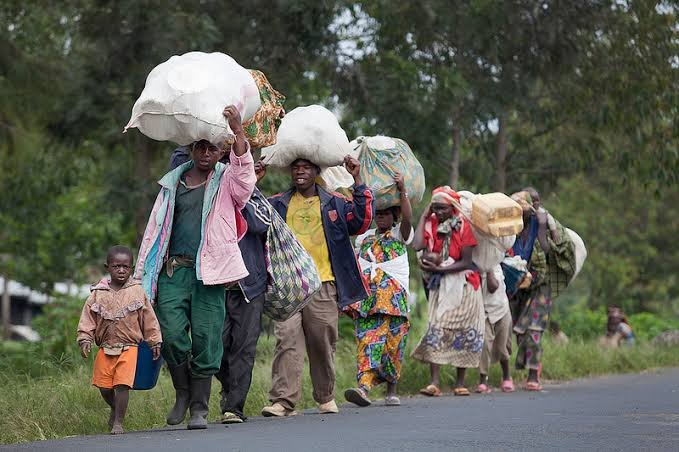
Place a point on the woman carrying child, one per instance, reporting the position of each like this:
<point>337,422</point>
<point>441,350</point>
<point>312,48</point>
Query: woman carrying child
<point>456,317</point>
<point>381,320</point>
<point>116,317</point>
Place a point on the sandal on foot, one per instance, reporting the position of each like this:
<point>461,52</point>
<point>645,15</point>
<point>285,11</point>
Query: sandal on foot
<point>392,400</point>
<point>507,386</point>
<point>431,391</point>
<point>357,396</point>
<point>483,388</point>
<point>461,391</point>
<point>533,386</point>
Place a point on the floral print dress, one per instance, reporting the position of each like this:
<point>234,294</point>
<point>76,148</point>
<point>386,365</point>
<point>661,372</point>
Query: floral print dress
<point>381,319</point>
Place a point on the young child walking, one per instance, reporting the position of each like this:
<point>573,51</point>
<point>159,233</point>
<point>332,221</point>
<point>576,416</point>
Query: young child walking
<point>117,316</point>
<point>497,345</point>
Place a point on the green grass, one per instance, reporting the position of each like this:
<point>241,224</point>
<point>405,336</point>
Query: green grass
<point>53,398</point>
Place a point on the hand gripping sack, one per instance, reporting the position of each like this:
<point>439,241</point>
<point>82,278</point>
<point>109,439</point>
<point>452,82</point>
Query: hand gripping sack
<point>184,98</point>
<point>293,277</point>
<point>381,157</point>
<point>311,133</point>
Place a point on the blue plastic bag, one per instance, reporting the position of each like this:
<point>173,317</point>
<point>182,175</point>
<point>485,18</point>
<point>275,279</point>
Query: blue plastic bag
<point>148,369</point>
<point>513,278</point>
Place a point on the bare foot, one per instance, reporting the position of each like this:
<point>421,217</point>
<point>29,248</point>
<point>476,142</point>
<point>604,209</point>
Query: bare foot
<point>117,429</point>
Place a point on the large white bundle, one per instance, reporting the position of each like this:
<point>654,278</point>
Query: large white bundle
<point>489,250</point>
<point>336,177</point>
<point>580,251</point>
<point>184,98</point>
<point>311,133</point>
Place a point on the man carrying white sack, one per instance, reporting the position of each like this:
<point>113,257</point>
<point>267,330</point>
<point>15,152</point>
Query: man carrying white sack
<point>188,254</point>
<point>323,222</point>
<point>497,345</point>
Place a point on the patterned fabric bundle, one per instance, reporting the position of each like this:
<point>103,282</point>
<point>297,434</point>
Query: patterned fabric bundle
<point>381,158</point>
<point>261,128</point>
<point>293,277</point>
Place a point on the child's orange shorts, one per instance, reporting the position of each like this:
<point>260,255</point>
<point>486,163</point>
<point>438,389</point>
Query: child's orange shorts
<point>110,371</point>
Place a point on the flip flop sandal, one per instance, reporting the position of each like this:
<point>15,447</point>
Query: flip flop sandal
<point>507,386</point>
<point>461,391</point>
<point>357,396</point>
<point>533,386</point>
<point>483,389</point>
<point>392,401</point>
<point>431,391</point>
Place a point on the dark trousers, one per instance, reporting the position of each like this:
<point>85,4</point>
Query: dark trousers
<point>242,325</point>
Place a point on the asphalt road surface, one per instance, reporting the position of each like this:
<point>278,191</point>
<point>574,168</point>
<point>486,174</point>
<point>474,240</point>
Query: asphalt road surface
<point>629,412</point>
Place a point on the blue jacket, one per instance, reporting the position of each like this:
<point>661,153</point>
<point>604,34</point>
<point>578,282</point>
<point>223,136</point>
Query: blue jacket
<point>341,218</point>
<point>252,247</point>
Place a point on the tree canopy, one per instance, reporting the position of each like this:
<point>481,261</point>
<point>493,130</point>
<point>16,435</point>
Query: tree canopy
<point>576,98</point>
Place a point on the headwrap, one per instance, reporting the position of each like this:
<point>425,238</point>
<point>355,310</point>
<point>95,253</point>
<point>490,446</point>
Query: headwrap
<point>524,199</point>
<point>445,195</point>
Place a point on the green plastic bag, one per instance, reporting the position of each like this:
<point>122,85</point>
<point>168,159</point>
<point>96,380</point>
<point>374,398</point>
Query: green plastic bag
<point>380,158</point>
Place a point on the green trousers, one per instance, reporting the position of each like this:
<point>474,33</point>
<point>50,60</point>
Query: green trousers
<point>191,317</point>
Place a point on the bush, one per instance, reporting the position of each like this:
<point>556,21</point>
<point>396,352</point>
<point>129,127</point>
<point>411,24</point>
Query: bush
<point>647,325</point>
<point>583,323</point>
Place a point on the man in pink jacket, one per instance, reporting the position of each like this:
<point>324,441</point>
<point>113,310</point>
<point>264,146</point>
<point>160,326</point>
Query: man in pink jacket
<point>188,254</point>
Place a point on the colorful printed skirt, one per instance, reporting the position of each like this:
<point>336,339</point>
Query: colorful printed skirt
<point>535,307</point>
<point>455,336</point>
<point>381,342</point>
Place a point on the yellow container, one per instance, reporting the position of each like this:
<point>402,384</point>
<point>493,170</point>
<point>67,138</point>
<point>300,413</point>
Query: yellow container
<point>497,214</point>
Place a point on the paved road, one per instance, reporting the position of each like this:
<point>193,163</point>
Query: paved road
<point>630,412</point>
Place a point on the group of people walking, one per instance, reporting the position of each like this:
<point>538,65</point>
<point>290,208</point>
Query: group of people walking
<point>202,265</point>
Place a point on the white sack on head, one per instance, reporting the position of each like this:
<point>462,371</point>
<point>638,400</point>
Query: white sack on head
<point>311,133</point>
<point>489,251</point>
<point>184,98</point>
<point>580,251</point>
<point>336,177</point>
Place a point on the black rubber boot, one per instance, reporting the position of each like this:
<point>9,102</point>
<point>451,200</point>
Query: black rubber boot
<point>200,398</point>
<point>181,380</point>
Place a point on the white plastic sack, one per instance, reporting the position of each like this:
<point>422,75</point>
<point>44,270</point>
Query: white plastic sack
<point>336,177</point>
<point>184,98</point>
<point>311,133</point>
<point>580,251</point>
<point>489,251</point>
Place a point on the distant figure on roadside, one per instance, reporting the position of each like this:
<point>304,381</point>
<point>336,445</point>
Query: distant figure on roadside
<point>618,330</point>
<point>188,254</point>
<point>456,319</point>
<point>381,320</point>
<point>323,223</point>
<point>497,343</point>
<point>116,317</point>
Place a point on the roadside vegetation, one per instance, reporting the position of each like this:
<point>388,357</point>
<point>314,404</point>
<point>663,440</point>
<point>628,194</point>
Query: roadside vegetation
<point>47,393</point>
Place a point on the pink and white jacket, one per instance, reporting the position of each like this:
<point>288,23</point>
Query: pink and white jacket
<point>219,260</point>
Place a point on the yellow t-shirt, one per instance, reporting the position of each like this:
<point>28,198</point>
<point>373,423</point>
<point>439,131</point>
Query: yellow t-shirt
<point>304,218</point>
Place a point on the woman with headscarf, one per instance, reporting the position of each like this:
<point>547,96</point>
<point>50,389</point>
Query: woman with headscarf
<point>456,318</point>
<point>531,306</point>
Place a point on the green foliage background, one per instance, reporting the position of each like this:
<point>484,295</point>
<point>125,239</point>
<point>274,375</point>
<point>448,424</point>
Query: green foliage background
<point>584,94</point>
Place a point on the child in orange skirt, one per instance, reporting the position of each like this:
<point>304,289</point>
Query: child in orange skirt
<point>117,316</point>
